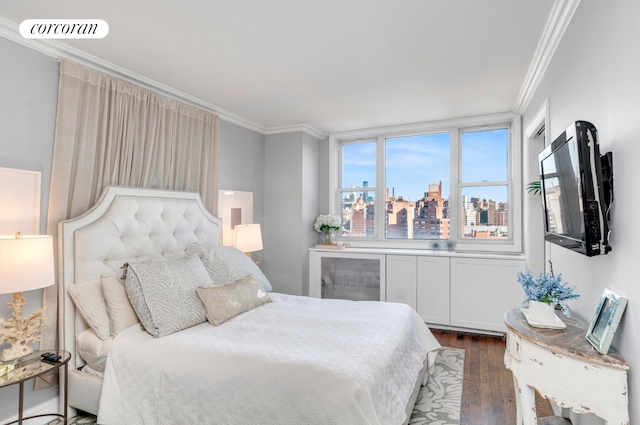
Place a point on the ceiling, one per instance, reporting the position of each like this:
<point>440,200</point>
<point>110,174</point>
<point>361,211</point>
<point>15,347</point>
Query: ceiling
<point>334,65</point>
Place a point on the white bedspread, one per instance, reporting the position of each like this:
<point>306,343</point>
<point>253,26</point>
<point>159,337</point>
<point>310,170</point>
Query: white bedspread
<point>297,360</point>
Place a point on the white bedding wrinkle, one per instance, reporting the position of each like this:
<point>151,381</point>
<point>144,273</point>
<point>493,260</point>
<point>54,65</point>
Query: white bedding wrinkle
<point>296,360</point>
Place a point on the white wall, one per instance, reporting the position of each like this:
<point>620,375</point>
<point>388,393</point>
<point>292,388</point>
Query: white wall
<point>595,76</point>
<point>532,219</point>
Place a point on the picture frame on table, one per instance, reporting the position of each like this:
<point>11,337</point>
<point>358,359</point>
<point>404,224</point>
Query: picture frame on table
<point>606,320</point>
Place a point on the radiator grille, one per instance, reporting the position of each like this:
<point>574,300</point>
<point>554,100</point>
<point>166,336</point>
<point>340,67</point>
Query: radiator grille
<point>350,278</point>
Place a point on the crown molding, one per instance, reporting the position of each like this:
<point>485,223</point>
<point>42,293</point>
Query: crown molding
<point>303,127</point>
<point>10,31</point>
<point>559,19</point>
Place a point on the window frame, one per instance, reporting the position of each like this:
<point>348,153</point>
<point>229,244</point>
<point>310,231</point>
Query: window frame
<point>513,244</point>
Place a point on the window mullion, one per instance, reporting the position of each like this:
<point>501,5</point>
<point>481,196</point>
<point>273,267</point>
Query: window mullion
<point>381,201</point>
<point>455,214</point>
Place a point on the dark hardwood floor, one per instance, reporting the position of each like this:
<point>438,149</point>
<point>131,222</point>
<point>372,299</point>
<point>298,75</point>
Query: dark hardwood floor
<point>487,394</point>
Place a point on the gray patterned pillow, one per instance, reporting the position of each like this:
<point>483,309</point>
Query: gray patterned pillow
<point>225,302</point>
<point>226,264</point>
<point>163,293</point>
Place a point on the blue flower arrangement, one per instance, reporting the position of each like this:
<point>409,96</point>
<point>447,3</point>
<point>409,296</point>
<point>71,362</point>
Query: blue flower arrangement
<point>548,289</point>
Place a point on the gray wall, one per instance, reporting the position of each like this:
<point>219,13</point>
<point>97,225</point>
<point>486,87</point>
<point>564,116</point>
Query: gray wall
<point>28,95</point>
<point>242,165</point>
<point>593,76</point>
<point>291,198</point>
<point>310,202</point>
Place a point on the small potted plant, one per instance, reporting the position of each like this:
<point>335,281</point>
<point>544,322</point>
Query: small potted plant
<point>327,225</point>
<point>544,293</point>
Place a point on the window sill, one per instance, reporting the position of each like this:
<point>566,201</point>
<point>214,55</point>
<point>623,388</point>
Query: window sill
<point>426,252</point>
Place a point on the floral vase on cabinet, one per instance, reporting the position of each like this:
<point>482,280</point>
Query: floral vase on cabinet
<point>327,225</point>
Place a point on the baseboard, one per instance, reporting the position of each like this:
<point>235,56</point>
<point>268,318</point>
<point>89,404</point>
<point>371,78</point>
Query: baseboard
<point>466,330</point>
<point>49,406</point>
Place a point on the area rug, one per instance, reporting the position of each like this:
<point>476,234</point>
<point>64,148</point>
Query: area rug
<point>438,402</point>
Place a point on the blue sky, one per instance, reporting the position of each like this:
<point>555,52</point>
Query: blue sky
<point>414,162</point>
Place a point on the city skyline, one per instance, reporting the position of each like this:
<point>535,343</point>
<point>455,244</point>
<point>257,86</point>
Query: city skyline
<point>428,218</point>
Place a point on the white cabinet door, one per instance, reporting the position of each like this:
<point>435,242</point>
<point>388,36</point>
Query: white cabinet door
<point>482,290</point>
<point>401,279</point>
<point>433,289</point>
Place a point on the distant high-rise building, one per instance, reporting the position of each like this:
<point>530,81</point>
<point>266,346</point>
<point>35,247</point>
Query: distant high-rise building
<point>432,215</point>
<point>359,218</point>
<point>365,194</point>
<point>501,218</point>
<point>399,218</point>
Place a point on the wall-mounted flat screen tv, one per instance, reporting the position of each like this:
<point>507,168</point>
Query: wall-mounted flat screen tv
<point>577,188</point>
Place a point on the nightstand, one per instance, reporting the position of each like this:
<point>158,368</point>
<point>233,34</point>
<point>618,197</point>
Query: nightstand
<point>563,367</point>
<point>30,367</point>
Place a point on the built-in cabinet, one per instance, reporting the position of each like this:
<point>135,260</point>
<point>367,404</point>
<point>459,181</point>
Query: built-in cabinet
<point>447,289</point>
<point>421,282</point>
<point>433,297</point>
<point>483,290</point>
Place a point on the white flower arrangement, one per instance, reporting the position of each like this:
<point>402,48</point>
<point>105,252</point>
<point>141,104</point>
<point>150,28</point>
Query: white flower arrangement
<point>326,222</point>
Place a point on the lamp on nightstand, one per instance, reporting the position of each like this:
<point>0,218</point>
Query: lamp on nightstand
<point>248,238</point>
<point>26,263</point>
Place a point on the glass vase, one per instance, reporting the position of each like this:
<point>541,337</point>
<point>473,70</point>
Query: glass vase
<point>328,238</point>
<point>332,237</point>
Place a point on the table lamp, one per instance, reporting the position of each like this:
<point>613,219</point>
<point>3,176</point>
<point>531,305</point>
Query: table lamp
<point>26,263</point>
<point>248,238</point>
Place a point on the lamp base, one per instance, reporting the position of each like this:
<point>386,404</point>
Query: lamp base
<point>18,331</point>
<point>16,351</point>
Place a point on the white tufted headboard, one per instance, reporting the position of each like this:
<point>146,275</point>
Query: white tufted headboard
<point>125,224</point>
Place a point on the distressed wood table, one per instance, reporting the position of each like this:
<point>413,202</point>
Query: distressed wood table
<point>563,367</point>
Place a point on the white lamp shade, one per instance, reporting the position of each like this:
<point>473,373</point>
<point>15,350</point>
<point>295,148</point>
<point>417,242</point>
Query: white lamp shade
<point>26,263</point>
<point>248,237</point>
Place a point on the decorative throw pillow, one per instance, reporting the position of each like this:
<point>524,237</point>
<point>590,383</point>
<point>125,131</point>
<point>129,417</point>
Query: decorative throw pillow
<point>163,293</point>
<point>226,264</point>
<point>90,303</point>
<point>227,301</point>
<point>136,297</point>
<point>121,313</point>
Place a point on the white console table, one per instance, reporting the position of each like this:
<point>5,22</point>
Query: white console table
<point>563,367</point>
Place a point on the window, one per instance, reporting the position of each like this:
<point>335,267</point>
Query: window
<point>358,198</point>
<point>408,185</point>
<point>484,183</point>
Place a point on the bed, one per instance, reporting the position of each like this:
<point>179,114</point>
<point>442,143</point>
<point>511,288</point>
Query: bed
<point>283,360</point>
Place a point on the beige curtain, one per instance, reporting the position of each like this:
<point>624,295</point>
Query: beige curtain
<point>112,132</point>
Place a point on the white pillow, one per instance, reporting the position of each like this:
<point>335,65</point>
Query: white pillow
<point>93,350</point>
<point>90,303</point>
<point>121,313</point>
<point>226,264</point>
<point>163,293</point>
